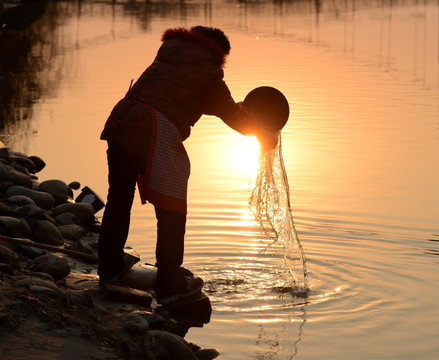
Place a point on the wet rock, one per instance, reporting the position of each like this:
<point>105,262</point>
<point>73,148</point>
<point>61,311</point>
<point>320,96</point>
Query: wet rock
<point>44,232</point>
<point>133,323</point>
<point>42,199</point>
<point>86,245</point>
<point>24,161</point>
<point>91,240</point>
<point>72,231</point>
<point>4,161</point>
<point>5,185</point>
<point>30,251</point>
<point>95,227</point>
<point>27,231</point>
<point>83,211</point>
<point>28,281</point>
<point>9,174</point>
<point>42,275</point>
<point>169,346</point>
<point>4,209</point>
<point>11,226</point>
<point>125,294</point>
<point>9,257</point>
<point>6,269</point>
<point>67,219</point>
<point>54,265</point>
<point>57,188</point>
<point>31,212</point>
<point>20,200</point>
<point>42,288</point>
<point>134,348</point>
<point>196,309</point>
<point>142,277</point>
<point>27,217</point>
<point>35,185</point>
<point>42,291</point>
<point>75,185</point>
<point>38,163</point>
<point>20,168</point>
<point>79,281</point>
<point>206,354</point>
<point>155,321</point>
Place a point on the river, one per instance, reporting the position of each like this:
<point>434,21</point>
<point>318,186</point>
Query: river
<point>361,152</point>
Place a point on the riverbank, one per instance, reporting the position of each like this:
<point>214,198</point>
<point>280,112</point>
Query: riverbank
<point>51,303</point>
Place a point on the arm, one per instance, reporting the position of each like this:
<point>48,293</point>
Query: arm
<point>220,103</point>
<point>245,123</point>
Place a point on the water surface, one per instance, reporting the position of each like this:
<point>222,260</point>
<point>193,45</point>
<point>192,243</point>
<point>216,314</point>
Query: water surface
<point>361,151</point>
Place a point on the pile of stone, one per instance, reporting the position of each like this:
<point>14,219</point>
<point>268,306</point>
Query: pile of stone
<point>48,255</point>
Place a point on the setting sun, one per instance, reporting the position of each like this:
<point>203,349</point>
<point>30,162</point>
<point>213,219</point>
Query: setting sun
<point>244,152</point>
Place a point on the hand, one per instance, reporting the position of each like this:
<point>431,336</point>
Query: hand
<point>268,140</point>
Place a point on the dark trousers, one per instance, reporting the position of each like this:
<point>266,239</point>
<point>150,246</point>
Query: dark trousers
<point>123,171</point>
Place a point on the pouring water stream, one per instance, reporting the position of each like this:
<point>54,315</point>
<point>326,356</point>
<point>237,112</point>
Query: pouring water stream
<point>270,204</point>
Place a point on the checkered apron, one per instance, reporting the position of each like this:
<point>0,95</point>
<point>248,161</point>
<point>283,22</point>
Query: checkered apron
<point>164,183</point>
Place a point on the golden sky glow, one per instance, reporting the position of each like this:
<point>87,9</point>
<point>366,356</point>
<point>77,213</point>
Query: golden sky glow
<point>361,150</point>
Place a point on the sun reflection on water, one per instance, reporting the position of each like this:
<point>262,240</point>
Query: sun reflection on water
<point>242,154</point>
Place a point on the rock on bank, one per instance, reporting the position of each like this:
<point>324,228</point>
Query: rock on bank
<point>51,304</point>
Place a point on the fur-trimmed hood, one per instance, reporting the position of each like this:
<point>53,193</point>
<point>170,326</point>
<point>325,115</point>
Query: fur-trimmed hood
<point>196,37</point>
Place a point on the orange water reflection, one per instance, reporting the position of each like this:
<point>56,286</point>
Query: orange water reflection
<point>361,151</point>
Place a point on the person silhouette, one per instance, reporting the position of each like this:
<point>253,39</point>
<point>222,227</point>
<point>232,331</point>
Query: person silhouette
<point>145,133</point>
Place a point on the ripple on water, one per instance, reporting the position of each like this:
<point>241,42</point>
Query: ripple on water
<point>260,285</point>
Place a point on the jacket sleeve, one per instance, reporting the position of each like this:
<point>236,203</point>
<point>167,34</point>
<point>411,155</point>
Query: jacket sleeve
<point>219,102</point>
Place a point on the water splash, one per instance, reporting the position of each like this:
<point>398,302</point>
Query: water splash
<point>270,204</point>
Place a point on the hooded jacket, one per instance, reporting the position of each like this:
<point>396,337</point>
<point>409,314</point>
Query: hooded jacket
<point>184,82</point>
